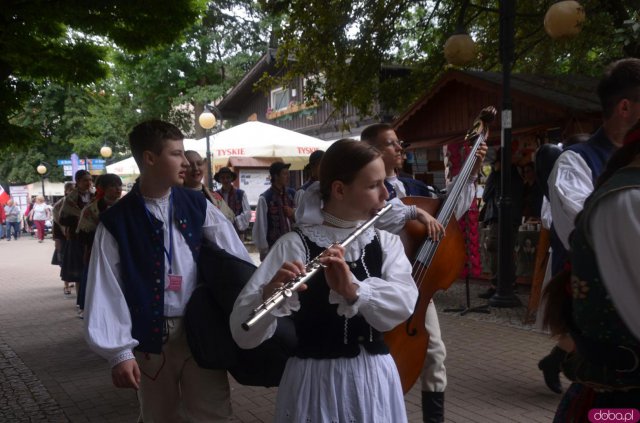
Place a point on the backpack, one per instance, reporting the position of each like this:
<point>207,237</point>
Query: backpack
<point>221,277</point>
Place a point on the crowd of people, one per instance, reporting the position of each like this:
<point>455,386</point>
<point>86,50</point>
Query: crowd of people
<point>134,263</point>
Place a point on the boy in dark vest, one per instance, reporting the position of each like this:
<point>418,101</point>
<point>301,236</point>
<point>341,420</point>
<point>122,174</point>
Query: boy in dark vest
<point>275,210</point>
<point>141,274</point>
<point>577,168</point>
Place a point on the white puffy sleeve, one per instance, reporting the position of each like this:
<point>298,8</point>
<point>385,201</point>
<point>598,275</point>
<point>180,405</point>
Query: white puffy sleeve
<point>243,219</point>
<point>388,300</point>
<point>259,234</point>
<point>570,183</point>
<point>106,315</point>
<point>218,229</point>
<point>393,221</point>
<point>615,228</point>
<point>287,248</point>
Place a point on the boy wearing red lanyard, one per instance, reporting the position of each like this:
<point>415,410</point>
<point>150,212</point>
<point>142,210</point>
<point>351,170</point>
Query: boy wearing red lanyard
<point>141,274</point>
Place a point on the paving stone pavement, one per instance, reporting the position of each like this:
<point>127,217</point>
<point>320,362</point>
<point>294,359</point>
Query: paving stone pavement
<point>48,374</point>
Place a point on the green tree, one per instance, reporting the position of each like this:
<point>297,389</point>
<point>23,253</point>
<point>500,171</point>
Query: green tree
<point>168,82</point>
<point>67,43</point>
<point>346,42</point>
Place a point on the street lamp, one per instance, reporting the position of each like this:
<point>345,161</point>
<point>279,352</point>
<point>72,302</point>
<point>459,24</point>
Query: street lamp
<point>106,152</point>
<point>43,172</point>
<point>208,120</point>
<point>563,19</point>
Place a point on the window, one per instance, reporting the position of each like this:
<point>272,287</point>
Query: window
<point>279,98</point>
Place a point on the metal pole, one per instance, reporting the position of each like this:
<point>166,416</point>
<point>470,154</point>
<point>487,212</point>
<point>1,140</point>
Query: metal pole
<point>504,296</point>
<point>209,167</point>
<point>42,179</point>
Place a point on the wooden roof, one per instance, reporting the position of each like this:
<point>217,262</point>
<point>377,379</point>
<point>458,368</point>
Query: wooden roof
<point>445,113</point>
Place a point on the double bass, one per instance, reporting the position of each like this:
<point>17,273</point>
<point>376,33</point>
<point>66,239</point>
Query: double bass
<point>435,264</point>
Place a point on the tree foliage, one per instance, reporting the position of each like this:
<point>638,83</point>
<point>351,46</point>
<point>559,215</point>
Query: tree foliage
<point>348,41</point>
<point>58,114</point>
<point>67,42</point>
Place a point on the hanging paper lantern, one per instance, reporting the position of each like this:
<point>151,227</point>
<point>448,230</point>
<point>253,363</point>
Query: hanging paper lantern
<point>564,19</point>
<point>460,49</point>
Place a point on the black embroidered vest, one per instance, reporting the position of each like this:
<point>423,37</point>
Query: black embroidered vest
<point>321,332</point>
<point>598,330</point>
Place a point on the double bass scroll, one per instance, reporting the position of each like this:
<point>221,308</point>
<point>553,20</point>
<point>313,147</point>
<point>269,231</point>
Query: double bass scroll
<point>436,264</point>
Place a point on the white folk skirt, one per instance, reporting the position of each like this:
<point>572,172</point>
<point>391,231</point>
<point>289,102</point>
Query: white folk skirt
<point>363,389</point>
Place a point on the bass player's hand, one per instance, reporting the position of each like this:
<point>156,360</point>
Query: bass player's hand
<point>435,230</point>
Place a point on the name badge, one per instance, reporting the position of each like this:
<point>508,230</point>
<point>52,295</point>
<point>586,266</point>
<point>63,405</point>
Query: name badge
<point>175,283</point>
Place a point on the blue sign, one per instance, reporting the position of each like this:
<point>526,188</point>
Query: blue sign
<point>70,166</point>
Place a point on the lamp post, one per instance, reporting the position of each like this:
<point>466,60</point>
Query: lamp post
<point>505,296</point>
<point>564,19</point>
<point>43,172</point>
<point>208,120</point>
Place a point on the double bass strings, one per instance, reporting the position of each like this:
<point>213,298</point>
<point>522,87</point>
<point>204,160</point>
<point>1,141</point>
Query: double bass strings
<point>428,248</point>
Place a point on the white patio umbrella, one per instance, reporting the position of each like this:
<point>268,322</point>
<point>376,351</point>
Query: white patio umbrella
<point>250,139</point>
<point>259,140</point>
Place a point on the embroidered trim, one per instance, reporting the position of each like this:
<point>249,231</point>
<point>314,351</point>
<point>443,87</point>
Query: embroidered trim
<point>159,200</point>
<point>345,336</point>
<point>124,356</point>
<point>324,236</point>
<point>337,222</point>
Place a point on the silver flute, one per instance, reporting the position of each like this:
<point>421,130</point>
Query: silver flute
<point>310,269</point>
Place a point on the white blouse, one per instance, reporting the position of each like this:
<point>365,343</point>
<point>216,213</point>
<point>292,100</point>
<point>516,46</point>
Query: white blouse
<point>106,314</point>
<point>384,301</point>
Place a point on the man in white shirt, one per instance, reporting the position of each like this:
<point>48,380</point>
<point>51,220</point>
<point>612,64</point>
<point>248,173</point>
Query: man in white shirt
<point>383,137</point>
<point>142,273</point>
<point>574,173</point>
<point>275,212</point>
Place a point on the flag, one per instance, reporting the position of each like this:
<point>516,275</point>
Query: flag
<point>4,197</point>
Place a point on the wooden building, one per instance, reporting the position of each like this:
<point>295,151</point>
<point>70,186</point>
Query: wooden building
<point>286,107</point>
<point>545,109</point>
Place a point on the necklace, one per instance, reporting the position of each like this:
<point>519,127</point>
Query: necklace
<point>337,222</point>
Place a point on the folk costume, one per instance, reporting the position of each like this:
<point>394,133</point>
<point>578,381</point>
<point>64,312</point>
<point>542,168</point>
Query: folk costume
<point>271,222</point>
<point>70,212</point>
<point>300,192</point>
<point>87,224</point>
<point>570,183</point>
<point>238,202</point>
<point>605,321</point>
<point>138,287</point>
<point>434,374</point>
<point>342,370</point>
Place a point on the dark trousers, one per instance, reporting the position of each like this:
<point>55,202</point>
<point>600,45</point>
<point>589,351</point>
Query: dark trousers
<point>16,229</point>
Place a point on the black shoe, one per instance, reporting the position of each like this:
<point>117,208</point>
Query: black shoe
<point>550,366</point>
<point>432,407</point>
<point>487,294</point>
